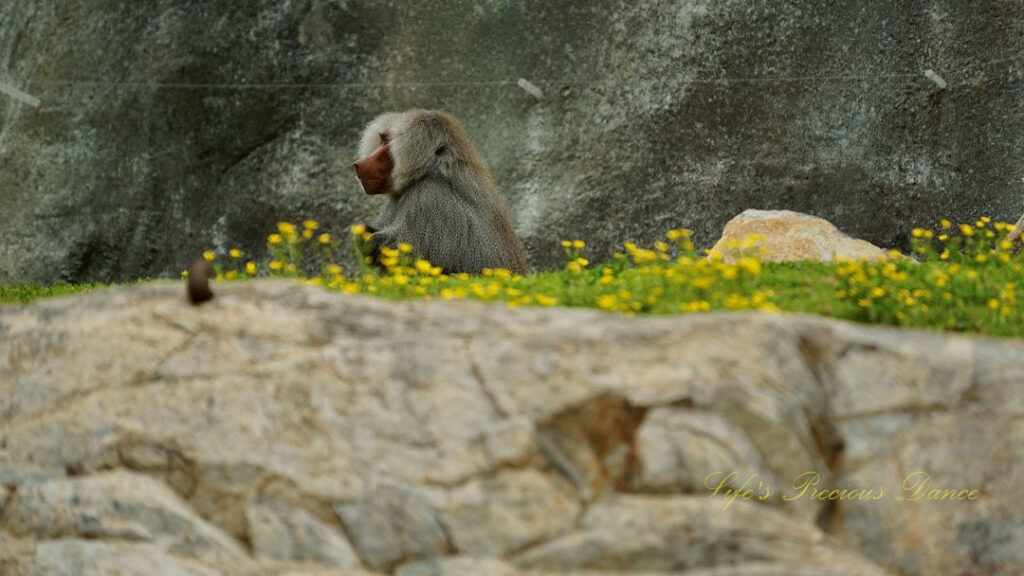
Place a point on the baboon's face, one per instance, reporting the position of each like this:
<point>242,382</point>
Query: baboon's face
<point>374,171</point>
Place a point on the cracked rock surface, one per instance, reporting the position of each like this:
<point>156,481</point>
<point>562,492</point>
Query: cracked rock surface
<point>282,429</point>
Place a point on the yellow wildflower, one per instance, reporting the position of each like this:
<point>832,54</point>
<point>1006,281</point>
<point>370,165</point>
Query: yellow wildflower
<point>357,229</point>
<point>750,265</point>
<point>250,268</point>
<point>423,267</point>
<point>546,300</point>
<point>310,224</point>
<point>209,255</point>
<point>276,265</point>
<point>274,239</point>
<point>235,253</point>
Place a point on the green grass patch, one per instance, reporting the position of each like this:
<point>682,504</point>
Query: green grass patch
<point>962,278</point>
<point>25,293</point>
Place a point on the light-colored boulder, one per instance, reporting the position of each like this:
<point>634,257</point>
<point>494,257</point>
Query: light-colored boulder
<point>786,236</point>
<point>281,429</point>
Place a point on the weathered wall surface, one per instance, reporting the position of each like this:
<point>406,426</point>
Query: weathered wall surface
<point>145,151</point>
<point>282,429</point>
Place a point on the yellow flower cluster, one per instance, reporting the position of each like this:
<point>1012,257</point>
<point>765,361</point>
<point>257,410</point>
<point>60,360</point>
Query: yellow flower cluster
<point>670,277</point>
<point>961,272</point>
<point>961,277</point>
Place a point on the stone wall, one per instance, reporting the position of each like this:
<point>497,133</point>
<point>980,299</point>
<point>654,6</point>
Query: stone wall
<point>286,430</point>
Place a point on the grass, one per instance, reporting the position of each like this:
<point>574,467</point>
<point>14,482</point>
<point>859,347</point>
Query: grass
<point>25,293</point>
<point>963,278</point>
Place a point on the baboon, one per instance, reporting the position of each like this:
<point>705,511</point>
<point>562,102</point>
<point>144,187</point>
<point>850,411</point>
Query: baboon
<point>441,198</point>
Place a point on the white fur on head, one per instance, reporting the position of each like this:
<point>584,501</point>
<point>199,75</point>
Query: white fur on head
<point>370,140</point>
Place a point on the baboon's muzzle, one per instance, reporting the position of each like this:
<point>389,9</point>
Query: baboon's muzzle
<point>374,171</point>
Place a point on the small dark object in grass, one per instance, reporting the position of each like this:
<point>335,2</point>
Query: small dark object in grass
<point>198,287</point>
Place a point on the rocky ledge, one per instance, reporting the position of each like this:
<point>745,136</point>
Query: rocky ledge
<point>285,430</point>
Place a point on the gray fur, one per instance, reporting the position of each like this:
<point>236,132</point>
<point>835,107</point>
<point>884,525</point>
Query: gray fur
<point>444,201</point>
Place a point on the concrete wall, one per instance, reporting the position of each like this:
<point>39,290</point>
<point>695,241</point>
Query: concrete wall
<point>145,151</point>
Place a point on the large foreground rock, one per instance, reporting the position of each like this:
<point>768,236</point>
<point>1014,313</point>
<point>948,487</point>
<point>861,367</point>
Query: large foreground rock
<point>171,127</point>
<point>285,430</point>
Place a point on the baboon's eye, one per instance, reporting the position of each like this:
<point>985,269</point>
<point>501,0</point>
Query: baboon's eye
<point>441,150</point>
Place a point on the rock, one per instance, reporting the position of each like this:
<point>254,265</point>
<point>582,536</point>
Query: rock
<point>283,532</point>
<point>282,429</point>
<point>1016,231</point>
<point>671,534</point>
<point>91,558</point>
<point>147,150</point>
<point>464,566</point>
<point>392,524</point>
<point>508,511</point>
<point>786,236</point>
<point>682,445</point>
<point>117,505</point>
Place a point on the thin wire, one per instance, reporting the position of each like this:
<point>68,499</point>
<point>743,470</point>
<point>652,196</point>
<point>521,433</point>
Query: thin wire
<point>265,85</point>
<point>336,85</point>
